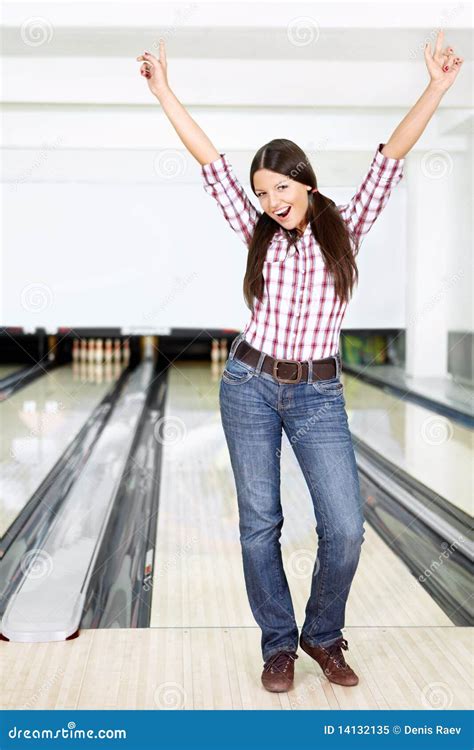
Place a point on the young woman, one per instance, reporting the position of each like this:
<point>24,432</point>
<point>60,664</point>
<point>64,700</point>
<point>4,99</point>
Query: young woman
<point>283,370</point>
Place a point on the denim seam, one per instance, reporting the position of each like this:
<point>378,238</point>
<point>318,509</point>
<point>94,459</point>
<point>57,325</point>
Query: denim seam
<point>322,579</point>
<point>240,381</point>
<point>280,648</point>
<point>324,644</point>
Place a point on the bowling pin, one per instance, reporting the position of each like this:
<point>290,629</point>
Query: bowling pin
<point>83,350</point>
<point>117,351</point>
<point>215,350</point>
<point>99,351</point>
<point>52,342</point>
<point>91,351</point>
<point>75,351</point>
<point>126,351</point>
<point>223,350</point>
<point>108,350</point>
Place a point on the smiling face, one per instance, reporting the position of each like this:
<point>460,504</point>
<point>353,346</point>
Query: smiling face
<point>278,193</point>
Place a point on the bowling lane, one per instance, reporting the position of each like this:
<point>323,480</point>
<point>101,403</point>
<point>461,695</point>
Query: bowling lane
<point>429,447</point>
<point>7,369</point>
<point>38,423</point>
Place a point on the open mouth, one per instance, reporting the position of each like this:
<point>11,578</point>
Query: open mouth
<point>283,214</point>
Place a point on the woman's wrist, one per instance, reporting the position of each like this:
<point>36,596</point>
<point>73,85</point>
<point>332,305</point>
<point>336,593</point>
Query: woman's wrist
<point>163,93</point>
<point>438,87</point>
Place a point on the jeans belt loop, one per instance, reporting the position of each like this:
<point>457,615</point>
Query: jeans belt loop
<point>259,366</point>
<point>337,360</point>
<point>235,344</point>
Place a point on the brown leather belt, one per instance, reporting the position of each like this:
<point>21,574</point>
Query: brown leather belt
<point>286,370</point>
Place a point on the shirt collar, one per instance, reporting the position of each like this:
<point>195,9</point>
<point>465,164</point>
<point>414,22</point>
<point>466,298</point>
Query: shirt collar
<point>307,231</point>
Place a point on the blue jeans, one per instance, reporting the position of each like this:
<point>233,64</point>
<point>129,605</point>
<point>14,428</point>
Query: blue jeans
<point>254,408</point>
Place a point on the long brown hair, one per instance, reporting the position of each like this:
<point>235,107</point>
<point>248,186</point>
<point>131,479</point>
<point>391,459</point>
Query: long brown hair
<point>330,231</point>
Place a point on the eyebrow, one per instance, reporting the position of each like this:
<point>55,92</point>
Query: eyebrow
<point>257,190</point>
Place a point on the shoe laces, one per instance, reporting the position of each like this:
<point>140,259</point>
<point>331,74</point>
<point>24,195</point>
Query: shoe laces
<point>280,661</point>
<point>335,653</point>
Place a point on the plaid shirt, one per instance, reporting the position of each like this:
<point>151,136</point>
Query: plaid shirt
<point>299,316</point>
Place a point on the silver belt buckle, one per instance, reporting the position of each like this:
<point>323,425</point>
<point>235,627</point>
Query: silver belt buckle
<point>299,371</point>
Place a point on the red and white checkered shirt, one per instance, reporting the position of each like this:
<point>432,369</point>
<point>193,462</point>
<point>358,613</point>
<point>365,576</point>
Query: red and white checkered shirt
<point>299,316</point>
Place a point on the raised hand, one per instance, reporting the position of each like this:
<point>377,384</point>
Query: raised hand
<point>154,69</point>
<point>443,65</point>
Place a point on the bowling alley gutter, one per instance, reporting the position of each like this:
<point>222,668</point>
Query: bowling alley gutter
<point>49,607</point>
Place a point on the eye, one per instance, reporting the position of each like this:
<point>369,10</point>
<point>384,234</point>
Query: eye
<point>282,187</point>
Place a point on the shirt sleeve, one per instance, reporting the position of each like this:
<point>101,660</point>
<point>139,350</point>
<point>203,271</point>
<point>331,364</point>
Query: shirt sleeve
<point>372,194</point>
<point>220,182</point>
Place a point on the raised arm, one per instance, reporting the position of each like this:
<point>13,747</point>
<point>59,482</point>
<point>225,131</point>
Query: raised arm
<point>386,169</point>
<point>194,138</point>
<point>218,176</point>
<point>443,67</point>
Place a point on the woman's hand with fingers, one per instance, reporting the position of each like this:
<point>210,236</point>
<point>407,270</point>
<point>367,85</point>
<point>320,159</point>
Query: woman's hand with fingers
<point>443,65</point>
<point>154,69</point>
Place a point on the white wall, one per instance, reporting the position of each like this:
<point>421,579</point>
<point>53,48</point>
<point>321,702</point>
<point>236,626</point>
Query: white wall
<point>95,233</point>
<point>161,255</point>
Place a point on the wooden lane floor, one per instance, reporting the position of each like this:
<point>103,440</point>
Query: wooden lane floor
<point>219,668</point>
<point>203,647</point>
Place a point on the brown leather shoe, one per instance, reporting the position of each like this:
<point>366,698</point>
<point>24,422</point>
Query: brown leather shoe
<point>279,671</point>
<point>332,662</point>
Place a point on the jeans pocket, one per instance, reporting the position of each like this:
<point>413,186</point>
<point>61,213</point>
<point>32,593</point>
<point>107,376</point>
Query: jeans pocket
<point>329,386</point>
<point>236,373</point>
